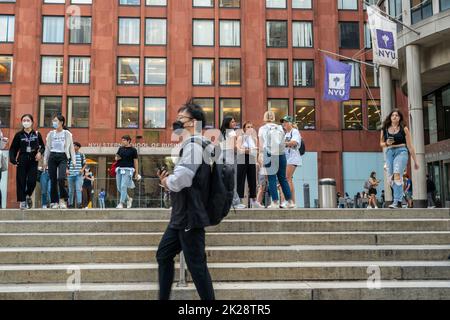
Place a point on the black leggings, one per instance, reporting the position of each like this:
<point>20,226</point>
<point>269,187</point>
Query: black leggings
<point>247,170</point>
<point>57,166</point>
<point>26,176</point>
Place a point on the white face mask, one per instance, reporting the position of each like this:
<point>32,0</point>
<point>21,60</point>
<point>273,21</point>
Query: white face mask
<point>26,124</point>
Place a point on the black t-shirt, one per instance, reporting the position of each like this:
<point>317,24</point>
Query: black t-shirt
<point>127,155</point>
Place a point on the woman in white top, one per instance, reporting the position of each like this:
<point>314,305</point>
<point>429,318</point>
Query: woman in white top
<point>293,140</point>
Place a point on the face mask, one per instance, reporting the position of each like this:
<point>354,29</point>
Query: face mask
<point>55,124</point>
<point>26,124</point>
<point>177,125</point>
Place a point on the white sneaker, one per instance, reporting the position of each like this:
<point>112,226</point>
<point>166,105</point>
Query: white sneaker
<point>240,206</point>
<point>54,206</point>
<point>120,206</point>
<point>44,206</point>
<point>62,204</point>
<point>369,207</point>
<point>291,205</point>
<point>86,208</point>
<point>129,202</point>
<point>376,207</point>
<point>23,205</point>
<point>284,204</point>
<point>274,205</point>
<point>256,204</point>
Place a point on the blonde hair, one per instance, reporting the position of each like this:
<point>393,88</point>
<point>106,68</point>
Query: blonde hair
<point>269,116</point>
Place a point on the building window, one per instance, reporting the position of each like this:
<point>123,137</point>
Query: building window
<point>80,29</point>
<point>81,2</point>
<point>208,108</point>
<point>6,68</point>
<point>372,76</point>
<point>155,113</point>
<point>128,113</point>
<point>301,4</point>
<point>49,107</point>
<point>444,5</point>
<point>130,2</point>
<point>232,108</point>
<point>374,114</point>
<point>277,4</point>
<point>349,35</point>
<point>78,112</point>
<point>276,34</point>
<point>371,2</point>
<point>230,72</point>
<point>303,73</point>
<point>128,71</point>
<point>367,37</point>
<point>7,28</point>
<point>156,3</point>
<point>395,10</point>
<point>230,33</point>
<point>302,35</point>
<point>5,111</point>
<point>203,32</point>
<point>129,30</point>
<point>347,4</point>
<point>352,112</point>
<point>53,30</point>
<point>277,73</point>
<point>420,9</point>
<point>203,72</point>
<point>52,70</point>
<point>203,3</point>
<point>51,1</point>
<point>80,68</point>
<point>155,71</point>
<point>156,31</point>
<point>279,106</point>
<point>354,79</point>
<point>305,114</point>
<point>229,3</point>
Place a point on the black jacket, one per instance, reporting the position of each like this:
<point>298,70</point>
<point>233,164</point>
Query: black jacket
<point>20,143</point>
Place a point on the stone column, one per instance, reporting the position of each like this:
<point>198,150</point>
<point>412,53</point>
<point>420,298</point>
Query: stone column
<point>416,123</point>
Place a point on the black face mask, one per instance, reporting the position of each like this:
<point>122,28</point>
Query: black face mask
<point>177,125</point>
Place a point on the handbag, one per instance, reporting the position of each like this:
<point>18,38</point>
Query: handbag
<point>3,162</point>
<point>112,170</point>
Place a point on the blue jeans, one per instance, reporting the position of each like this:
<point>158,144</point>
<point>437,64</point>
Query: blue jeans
<point>75,185</point>
<point>396,162</point>
<point>45,188</point>
<point>123,182</point>
<point>276,168</point>
<point>101,203</point>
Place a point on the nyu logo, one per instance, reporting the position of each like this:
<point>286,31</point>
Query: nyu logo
<point>385,39</point>
<point>336,84</point>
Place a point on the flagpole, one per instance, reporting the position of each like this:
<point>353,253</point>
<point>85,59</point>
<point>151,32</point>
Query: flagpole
<point>391,17</point>
<point>347,58</point>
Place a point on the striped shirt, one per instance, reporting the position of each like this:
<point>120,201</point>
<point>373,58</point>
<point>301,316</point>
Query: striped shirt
<point>80,161</point>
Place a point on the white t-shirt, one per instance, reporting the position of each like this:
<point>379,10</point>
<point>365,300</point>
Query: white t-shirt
<point>228,146</point>
<point>263,135</point>
<point>248,142</point>
<point>293,156</point>
<point>58,142</point>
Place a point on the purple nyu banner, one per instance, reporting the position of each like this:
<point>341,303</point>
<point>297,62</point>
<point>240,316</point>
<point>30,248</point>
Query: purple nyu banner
<point>337,80</point>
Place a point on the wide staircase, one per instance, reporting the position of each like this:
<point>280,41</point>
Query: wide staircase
<point>254,254</point>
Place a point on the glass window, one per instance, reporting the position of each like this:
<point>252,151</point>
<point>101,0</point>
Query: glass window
<point>230,33</point>
<point>81,2</point>
<point>349,35</point>
<point>279,106</point>
<point>53,29</point>
<point>395,10</point>
<point>49,107</point>
<point>367,37</point>
<point>430,120</point>
<point>128,113</point>
<point>203,3</point>
<point>229,3</point>
<point>155,113</point>
<point>354,79</point>
<point>374,114</point>
<point>52,1</point>
<point>7,0</point>
<point>80,29</point>
<point>155,71</point>
<point>203,32</point>
<point>156,3</point>
<point>208,107</point>
<point>5,111</point>
<point>444,5</point>
<point>128,70</point>
<point>78,112</point>
<point>129,30</point>
<point>347,4</point>
<point>230,72</point>
<point>231,107</point>
<point>276,34</point>
<point>372,2</point>
<point>303,73</point>
<point>130,2</point>
<point>305,114</point>
<point>277,73</point>
<point>301,4</point>
<point>6,68</point>
<point>52,70</point>
<point>372,76</point>
<point>7,28</point>
<point>156,31</point>
<point>203,72</point>
<point>80,68</point>
<point>276,4</point>
<point>421,9</point>
<point>302,34</point>
<point>352,112</point>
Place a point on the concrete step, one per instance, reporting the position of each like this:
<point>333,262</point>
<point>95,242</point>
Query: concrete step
<point>261,271</point>
<point>227,239</point>
<point>80,255</point>
<point>242,225</point>
<point>288,290</point>
<point>162,214</point>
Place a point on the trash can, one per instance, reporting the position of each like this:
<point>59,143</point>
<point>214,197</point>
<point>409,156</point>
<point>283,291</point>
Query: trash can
<point>327,193</point>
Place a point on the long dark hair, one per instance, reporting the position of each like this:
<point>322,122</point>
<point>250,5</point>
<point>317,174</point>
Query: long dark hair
<point>226,125</point>
<point>61,118</point>
<point>27,115</point>
<point>388,122</point>
<point>372,175</point>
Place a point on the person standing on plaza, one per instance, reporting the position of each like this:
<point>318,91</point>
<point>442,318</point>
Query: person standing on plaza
<point>272,147</point>
<point>396,138</point>
<point>3,142</point>
<point>25,152</point>
<point>88,179</point>
<point>59,150</point>
<point>127,168</point>
<point>75,177</point>
<point>101,199</point>
<point>373,184</point>
<point>431,189</point>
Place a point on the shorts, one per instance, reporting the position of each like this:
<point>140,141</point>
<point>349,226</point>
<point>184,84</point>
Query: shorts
<point>372,191</point>
<point>262,179</point>
<point>408,195</point>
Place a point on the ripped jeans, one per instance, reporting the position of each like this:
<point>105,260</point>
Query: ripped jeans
<point>396,162</point>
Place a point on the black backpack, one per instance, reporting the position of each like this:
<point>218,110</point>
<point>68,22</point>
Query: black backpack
<point>302,148</point>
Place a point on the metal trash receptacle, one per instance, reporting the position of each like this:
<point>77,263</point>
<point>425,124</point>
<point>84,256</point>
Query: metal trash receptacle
<point>327,193</point>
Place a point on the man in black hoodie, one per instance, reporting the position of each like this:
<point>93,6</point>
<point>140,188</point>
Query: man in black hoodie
<point>431,188</point>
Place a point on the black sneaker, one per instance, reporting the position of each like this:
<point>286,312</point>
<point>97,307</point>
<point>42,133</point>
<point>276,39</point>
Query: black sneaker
<point>29,202</point>
<point>399,205</point>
